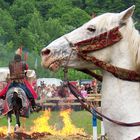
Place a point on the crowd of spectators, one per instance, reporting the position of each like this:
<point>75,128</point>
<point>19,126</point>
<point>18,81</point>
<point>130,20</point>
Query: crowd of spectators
<point>47,91</point>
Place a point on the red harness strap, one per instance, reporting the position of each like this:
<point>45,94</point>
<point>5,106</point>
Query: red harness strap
<point>99,42</point>
<point>118,72</point>
<point>102,41</point>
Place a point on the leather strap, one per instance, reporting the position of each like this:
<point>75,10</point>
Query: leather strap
<point>118,72</point>
<point>90,108</point>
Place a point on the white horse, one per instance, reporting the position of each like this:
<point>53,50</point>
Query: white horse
<point>120,98</point>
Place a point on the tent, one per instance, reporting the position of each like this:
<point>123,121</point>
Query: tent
<point>4,72</point>
<point>49,81</point>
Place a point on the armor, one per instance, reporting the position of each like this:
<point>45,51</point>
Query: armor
<point>17,70</point>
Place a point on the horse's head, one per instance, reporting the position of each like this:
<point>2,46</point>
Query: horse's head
<point>62,50</point>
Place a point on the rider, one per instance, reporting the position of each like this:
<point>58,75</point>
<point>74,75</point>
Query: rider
<point>18,69</point>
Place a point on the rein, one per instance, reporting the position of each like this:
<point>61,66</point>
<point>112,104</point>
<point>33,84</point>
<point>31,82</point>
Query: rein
<point>99,42</point>
<point>91,108</point>
<point>91,73</point>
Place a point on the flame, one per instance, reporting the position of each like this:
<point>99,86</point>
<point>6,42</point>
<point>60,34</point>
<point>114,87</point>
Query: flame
<point>41,125</point>
<point>69,128</point>
<point>3,130</point>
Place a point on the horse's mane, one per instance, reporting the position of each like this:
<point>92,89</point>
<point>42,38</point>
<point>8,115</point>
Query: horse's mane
<point>134,38</point>
<point>129,32</point>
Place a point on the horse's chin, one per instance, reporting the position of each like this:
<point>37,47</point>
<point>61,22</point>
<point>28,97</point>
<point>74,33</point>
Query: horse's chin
<point>53,65</point>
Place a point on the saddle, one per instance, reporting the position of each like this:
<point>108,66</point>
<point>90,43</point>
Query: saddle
<point>8,106</point>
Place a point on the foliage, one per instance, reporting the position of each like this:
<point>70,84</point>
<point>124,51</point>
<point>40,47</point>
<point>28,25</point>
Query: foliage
<point>34,24</point>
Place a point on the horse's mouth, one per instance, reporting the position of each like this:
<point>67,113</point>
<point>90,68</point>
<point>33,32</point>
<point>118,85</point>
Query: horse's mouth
<point>52,63</point>
<point>55,65</point>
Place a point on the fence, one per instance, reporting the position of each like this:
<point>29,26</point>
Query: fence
<point>69,101</point>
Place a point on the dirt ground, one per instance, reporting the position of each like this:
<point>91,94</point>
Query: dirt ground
<point>43,136</point>
<point>66,138</point>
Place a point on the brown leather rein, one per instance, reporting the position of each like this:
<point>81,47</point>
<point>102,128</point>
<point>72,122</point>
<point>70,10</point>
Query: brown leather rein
<point>92,109</point>
<point>95,44</point>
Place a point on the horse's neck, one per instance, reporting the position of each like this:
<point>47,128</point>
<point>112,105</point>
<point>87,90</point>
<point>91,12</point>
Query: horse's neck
<point>120,92</point>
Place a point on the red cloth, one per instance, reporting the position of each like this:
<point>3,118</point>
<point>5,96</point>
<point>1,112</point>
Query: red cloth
<point>31,89</point>
<point>4,91</point>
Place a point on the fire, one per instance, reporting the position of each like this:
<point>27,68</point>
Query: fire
<point>69,128</point>
<point>3,130</point>
<point>41,125</point>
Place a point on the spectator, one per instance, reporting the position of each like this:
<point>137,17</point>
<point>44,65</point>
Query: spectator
<point>48,92</point>
<point>88,88</point>
<point>83,91</point>
<point>39,92</point>
<point>94,84</point>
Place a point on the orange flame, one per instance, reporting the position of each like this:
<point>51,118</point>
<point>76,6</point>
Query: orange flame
<point>41,125</point>
<point>69,128</point>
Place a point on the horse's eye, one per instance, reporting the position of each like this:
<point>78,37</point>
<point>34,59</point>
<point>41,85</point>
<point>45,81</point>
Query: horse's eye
<point>91,28</point>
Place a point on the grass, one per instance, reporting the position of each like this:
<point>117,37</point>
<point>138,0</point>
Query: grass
<point>81,119</point>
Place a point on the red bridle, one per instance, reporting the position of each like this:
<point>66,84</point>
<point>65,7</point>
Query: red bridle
<point>102,41</point>
<point>99,42</point>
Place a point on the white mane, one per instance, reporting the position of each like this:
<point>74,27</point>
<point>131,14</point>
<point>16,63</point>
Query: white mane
<point>134,38</point>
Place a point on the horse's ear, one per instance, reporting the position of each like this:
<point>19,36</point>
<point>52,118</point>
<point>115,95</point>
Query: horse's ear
<point>125,15</point>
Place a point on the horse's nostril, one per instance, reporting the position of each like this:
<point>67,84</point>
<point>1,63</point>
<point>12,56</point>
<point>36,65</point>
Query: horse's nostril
<point>46,52</point>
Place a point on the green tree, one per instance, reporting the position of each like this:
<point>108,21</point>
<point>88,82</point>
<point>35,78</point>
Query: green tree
<point>54,28</point>
<point>58,8</point>
<point>22,11</point>
<point>72,17</point>
<point>37,28</point>
<point>4,4</point>
<point>7,27</point>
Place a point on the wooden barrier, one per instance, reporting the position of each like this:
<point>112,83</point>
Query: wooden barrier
<point>57,101</point>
